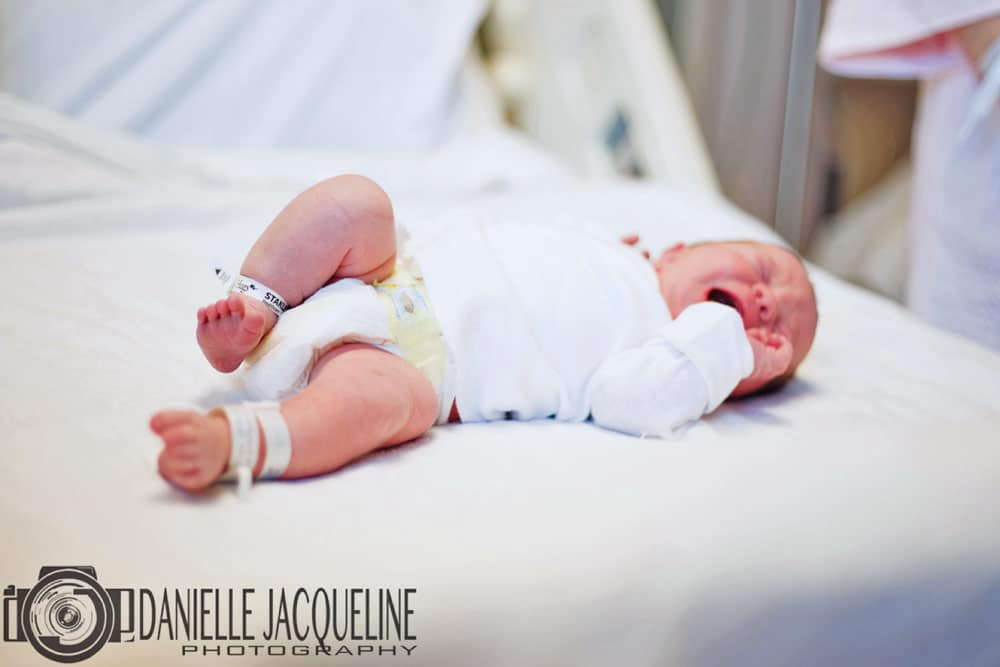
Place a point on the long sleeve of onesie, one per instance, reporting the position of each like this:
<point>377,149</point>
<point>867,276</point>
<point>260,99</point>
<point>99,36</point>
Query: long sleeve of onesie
<point>684,371</point>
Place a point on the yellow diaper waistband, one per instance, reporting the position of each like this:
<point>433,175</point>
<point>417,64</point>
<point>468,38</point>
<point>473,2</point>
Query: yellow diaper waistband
<point>414,327</point>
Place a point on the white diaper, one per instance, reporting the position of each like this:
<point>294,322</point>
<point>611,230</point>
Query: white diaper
<point>394,315</point>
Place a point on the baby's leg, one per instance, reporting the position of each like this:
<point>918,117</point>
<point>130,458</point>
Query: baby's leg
<point>340,228</point>
<point>359,398</point>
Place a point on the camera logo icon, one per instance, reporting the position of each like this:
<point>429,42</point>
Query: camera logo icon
<point>67,616</point>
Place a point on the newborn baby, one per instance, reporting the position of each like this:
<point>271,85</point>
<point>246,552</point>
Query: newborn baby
<point>369,339</point>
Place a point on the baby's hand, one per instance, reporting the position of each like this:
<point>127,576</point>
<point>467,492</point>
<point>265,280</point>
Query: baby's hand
<point>772,357</point>
<point>633,240</point>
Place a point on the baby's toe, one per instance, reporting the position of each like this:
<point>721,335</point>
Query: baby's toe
<point>167,418</point>
<point>183,477</point>
<point>178,434</point>
<point>194,482</point>
<point>235,305</point>
<point>253,323</point>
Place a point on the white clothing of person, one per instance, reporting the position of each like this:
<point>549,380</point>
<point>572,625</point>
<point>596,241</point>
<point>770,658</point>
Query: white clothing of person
<point>546,320</point>
<point>954,229</point>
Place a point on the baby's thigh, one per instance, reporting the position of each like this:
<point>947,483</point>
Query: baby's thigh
<point>375,387</point>
<point>359,218</point>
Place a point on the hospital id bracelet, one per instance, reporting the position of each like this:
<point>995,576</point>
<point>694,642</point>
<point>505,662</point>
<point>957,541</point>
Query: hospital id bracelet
<point>278,442</point>
<point>253,289</point>
<point>245,442</point>
<point>244,446</point>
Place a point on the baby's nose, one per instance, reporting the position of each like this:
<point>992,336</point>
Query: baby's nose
<point>765,302</point>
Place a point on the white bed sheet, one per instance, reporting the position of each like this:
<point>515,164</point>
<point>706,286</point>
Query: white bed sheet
<point>242,73</point>
<point>848,519</point>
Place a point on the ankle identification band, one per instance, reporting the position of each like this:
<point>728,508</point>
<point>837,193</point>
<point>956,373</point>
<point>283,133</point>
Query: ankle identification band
<point>277,440</point>
<point>244,446</point>
<point>253,289</point>
<point>245,442</point>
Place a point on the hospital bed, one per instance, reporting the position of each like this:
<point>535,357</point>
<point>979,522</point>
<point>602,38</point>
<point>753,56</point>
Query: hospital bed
<point>848,519</point>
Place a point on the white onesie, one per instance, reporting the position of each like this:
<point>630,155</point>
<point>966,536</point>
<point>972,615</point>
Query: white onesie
<point>537,321</point>
<point>564,322</point>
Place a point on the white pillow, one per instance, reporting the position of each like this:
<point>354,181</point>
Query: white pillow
<point>327,74</point>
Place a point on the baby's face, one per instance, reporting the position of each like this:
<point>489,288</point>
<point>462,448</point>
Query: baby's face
<point>767,284</point>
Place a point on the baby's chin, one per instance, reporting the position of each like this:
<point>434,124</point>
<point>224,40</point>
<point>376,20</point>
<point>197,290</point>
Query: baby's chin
<point>678,301</point>
<point>749,386</point>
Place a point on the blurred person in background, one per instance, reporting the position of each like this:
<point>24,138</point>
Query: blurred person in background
<point>953,47</point>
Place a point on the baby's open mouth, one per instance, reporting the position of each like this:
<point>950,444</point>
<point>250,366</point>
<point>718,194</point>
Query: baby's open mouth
<point>725,298</point>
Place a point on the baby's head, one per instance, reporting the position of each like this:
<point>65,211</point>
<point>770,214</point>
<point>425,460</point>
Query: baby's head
<point>766,283</point>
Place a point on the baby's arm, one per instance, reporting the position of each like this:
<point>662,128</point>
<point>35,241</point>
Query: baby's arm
<point>685,371</point>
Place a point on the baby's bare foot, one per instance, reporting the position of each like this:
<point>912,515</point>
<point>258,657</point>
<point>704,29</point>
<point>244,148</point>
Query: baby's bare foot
<point>228,329</point>
<point>195,448</point>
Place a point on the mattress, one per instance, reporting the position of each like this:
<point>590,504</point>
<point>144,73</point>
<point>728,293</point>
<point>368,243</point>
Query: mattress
<point>849,519</point>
